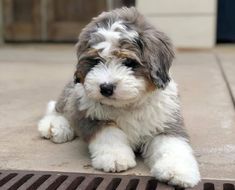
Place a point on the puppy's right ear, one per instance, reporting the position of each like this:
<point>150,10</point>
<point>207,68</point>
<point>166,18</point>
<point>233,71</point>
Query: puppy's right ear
<point>80,48</point>
<point>76,77</point>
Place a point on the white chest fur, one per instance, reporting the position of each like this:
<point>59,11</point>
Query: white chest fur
<point>143,121</point>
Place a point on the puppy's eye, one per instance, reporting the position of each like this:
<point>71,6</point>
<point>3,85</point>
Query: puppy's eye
<point>93,61</point>
<point>131,63</point>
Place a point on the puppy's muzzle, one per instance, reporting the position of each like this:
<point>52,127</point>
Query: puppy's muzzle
<point>106,89</point>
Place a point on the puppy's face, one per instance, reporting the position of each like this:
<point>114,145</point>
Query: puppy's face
<point>120,58</point>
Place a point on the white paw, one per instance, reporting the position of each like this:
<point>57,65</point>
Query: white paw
<point>56,128</point>
<point>183,173</point>
<point>114,161</point>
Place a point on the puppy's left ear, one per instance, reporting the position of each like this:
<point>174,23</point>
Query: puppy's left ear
<point>158,54</point>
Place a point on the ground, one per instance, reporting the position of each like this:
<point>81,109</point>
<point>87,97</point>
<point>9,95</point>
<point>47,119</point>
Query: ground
<point>31,75</point>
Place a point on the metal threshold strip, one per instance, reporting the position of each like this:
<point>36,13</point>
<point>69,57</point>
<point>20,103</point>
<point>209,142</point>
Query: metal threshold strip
<point>46,180</point>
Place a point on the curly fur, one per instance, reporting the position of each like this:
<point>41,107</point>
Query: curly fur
<point>142,112</point>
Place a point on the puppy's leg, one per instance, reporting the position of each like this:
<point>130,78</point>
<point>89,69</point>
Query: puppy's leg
<point>55,126</point>
<point>171,160</point>
<point>110,150</point>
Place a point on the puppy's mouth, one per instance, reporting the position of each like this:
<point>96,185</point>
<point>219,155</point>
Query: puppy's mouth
<point>113,102</point>
<point>108,100</point>
<point>117,102</point>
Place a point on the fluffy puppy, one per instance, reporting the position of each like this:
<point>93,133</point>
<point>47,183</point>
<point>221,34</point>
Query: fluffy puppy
<point>123,99</point>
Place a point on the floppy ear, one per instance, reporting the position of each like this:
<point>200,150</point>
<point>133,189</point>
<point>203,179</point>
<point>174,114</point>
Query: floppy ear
<point>80,73</point>
<point>81,46</point>
<point>76,77</point>
<point>158,54</point>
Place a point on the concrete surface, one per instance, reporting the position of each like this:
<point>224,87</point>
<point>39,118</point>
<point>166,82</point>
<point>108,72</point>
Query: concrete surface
<point>226,57</point>
<point>31,75</point>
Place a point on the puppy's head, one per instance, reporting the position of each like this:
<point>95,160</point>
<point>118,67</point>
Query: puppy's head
<point>122,57</point>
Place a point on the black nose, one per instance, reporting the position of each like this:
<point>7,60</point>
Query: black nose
<point>106,89</point>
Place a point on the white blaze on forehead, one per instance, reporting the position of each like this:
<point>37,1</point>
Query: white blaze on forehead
<point>112,35</point>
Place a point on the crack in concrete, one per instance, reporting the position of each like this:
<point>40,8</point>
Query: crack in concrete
<point>219,63</point>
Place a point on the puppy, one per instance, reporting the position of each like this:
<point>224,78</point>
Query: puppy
<point>123,99</point>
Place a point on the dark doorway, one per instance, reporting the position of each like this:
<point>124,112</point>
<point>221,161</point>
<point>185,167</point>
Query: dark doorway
<point>226,21</point>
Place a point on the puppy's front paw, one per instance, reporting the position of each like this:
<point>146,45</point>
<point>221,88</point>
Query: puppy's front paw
<point>177,172</point>
<point>114,160</point>
<point>56,128</point>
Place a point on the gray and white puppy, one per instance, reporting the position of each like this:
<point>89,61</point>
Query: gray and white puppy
<point>123,99</point>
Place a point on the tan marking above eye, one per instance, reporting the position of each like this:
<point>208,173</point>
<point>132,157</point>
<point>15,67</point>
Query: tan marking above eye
<point>120,54</point>
<point>124,54</point>
<point>89,53</point>
<point>92,51</point>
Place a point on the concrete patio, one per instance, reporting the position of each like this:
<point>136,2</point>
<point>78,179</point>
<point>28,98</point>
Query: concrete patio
<point>31,75</point>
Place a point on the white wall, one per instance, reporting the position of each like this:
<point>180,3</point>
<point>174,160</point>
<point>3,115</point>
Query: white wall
<point>189,23</point>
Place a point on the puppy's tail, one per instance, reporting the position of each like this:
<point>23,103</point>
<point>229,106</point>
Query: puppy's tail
<point>51,107</point>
